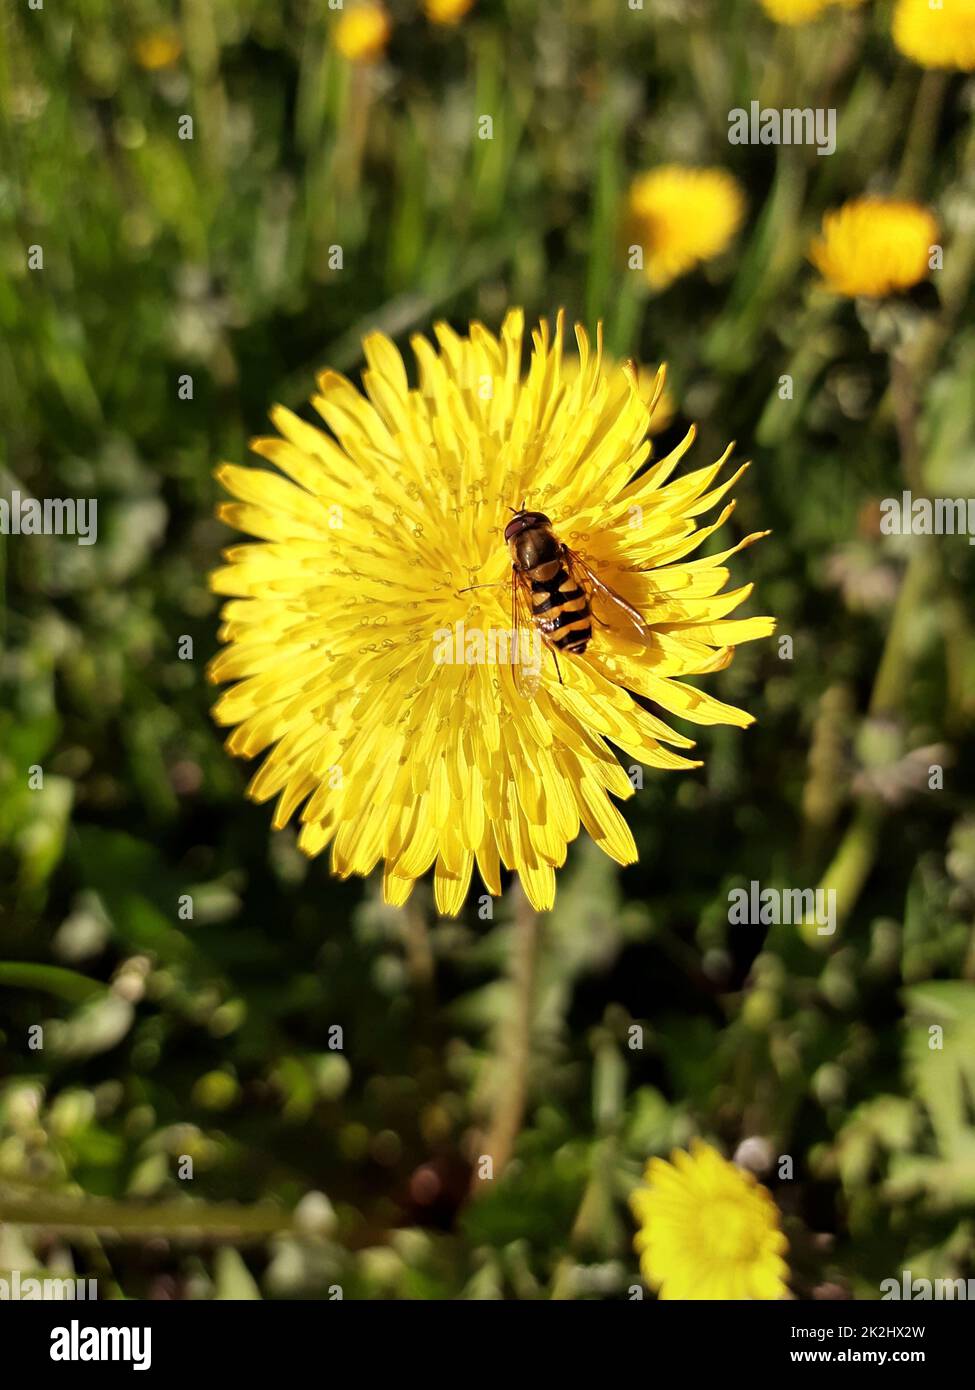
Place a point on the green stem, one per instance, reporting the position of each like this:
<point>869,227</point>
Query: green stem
<point>815,345</point>
<point>921,134</point>
<point>624,334</point>
<point>851,866</point>
<point>185,1219</point>
<point>511,1093</point>
<point>893,673</point>
<point>50,979</point>
<point>858,849</point>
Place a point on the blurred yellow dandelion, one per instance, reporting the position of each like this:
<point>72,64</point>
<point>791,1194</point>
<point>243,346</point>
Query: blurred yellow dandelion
<point>874,246</point>
<point>708,1230</point>
<point>159,49</point>
<point>794,11</point>
<point>936,36</point>
<point>679,217</point>
<point>362,32</point>
<point>446,11</point>
<point>405,751</point>
<point>802,11</point>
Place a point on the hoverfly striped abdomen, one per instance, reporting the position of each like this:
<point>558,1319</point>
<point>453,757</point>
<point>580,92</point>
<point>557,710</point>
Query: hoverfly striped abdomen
<point>560,609</point>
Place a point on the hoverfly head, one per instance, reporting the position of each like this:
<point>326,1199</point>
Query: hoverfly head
<point>524,521</point>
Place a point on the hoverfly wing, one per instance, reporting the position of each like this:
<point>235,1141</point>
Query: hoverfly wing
<point>625,615</point>
<point>524,640</point>
<point>528,679</point>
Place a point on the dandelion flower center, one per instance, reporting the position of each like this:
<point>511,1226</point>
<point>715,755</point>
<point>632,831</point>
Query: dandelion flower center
<point>731,1233</point>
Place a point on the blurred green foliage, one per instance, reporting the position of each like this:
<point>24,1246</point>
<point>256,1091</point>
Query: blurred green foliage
<point>328,1063</point>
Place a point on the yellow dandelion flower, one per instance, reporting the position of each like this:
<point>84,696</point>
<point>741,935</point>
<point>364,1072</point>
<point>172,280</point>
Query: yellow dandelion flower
<point>681,217</point>
<point>802,11</point>
<point>660,403</point>
<point>708,1230</point>
<point>446,11</point>
<point>942,36</point>
<point>159,49</point>
<point>386,691</point>
<point>362,33</point>
<point>874,246</point>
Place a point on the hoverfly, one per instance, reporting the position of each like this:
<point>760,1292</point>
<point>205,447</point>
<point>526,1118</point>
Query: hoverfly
<point>553,591</point>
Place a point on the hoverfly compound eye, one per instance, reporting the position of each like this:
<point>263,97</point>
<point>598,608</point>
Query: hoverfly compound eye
<point>524,521</point>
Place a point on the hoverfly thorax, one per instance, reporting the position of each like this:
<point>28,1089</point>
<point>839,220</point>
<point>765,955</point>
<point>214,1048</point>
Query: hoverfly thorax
<point>531,540</point>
